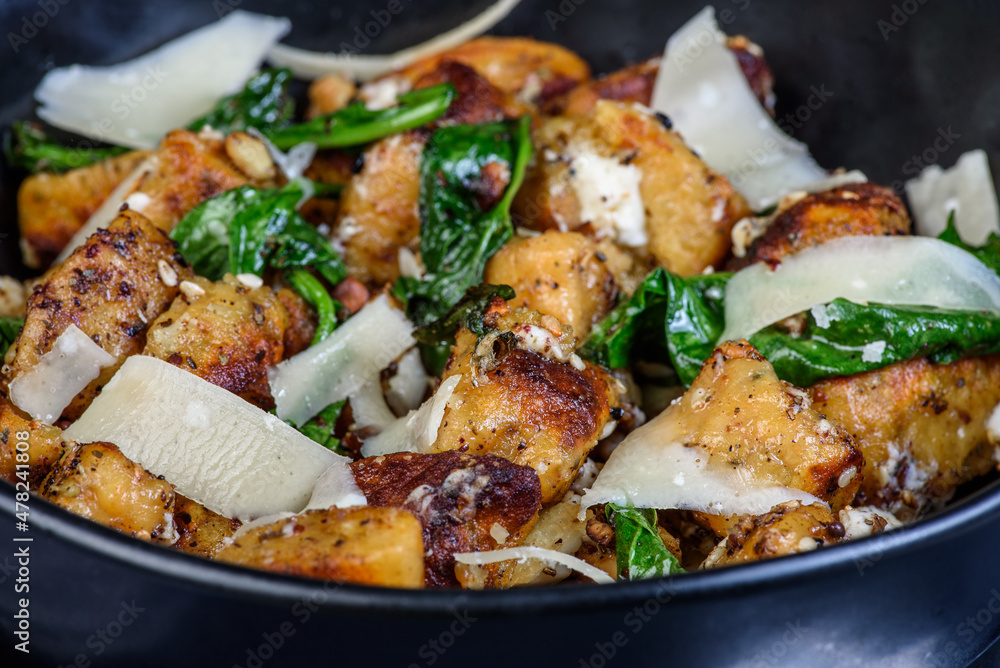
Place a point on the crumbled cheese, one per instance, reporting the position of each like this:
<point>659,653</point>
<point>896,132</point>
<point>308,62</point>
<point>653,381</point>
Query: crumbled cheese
<point>383,93</point>
<point>872,352</point>
<point>498,533</point>
<point>138,201</point>
<point>409,263</point>
<point>822,318</point>
<point>866,520</point>
<point>609,196</point>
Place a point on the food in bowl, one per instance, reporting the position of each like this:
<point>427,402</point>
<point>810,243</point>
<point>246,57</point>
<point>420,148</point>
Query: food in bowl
<point>486,321</point>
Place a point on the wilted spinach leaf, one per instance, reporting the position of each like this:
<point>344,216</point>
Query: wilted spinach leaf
<point>27,146</point>
<point>456,236</point>
<point>263,104</point>
<point>9,329</point>
<point>355,124</point>
<point>639,549</point>
<point>468,312</point>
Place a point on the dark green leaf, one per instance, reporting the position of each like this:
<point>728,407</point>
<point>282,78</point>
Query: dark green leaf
<point>321,427</point>
<point>668,319</point>
<point>27,146</point>
<point>316,295</point>
<point>263,104</point>
<point>456,236</point>
<point>906,332</point>
<point>355,124</point>
<point>434,357</point>
<point>246,230</point>
<point>468,312</point>
<point>9,329</point>
<point>202,236</point>
<point>639,549</point>
<point>988,253</point>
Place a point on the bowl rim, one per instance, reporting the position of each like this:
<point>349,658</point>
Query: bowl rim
<point>963,516</point>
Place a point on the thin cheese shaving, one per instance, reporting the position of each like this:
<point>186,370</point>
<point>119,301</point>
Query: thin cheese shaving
<point>212,445</point>
<point>965,190</point>
<point>917,271</point>
<point>701,88</point>
<point>137,102</point>
<point>311,64</point>
<point>44,390</point>
<point>525,552</point>
<point>342,363</point>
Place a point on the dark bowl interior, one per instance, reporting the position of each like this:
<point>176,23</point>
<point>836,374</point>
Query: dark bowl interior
<point>896,75</point>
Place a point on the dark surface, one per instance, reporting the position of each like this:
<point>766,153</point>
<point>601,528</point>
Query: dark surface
<point>926,595</point>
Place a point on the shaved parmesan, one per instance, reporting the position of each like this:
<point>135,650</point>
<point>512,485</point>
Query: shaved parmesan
<point>310,64</point>
<point>336,487</point>
<point>966,189</point>
<point>342,363</point>
<point>408,387</point>
<point>44,390</point>
<point>652,468</point>
<point>417,431</point>
<point>216,448</point>
<point>368,407</point>
<point>917,271</point>
<point>106,213</point>
<point>137,102</point>
<point>701,88</point>
<point>521,554</point>
<point>292,164</point>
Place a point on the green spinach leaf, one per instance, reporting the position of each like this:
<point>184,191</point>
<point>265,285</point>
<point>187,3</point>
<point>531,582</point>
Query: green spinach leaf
<point>263,104</point>
<point>320,428</point>
<point>668,319</point>
<point>467,312</point>
<point>988,253</point>
<point>317,296</point>
<point>638,547</point>
<point>456,236</point>
<point>27,146</point>
<point>245,230</point>
<point>9,329</point>
<point>356,124</point>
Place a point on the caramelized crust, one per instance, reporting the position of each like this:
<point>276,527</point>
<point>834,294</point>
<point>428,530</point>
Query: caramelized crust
<point>360,545</point>
<point>527,408</point>
<point>531,70</point>
<point>111,289</point>
<point>921,426</point>
<point>478,101</point>
<point>52,207</point>
<point>850,210</point>
<point>459,499</point>
<point>96,481</point>
<point>629,84</point>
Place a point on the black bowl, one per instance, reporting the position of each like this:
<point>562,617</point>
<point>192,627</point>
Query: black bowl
<point>896,76</point>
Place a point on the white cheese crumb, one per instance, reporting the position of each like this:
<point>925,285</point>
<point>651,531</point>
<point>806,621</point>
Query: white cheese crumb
<point>498,533</point>
<point>383,93</point>
<point>138,201</point>
<point>872,352</point>
<point>820,316</point>
<point>609,196</point>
